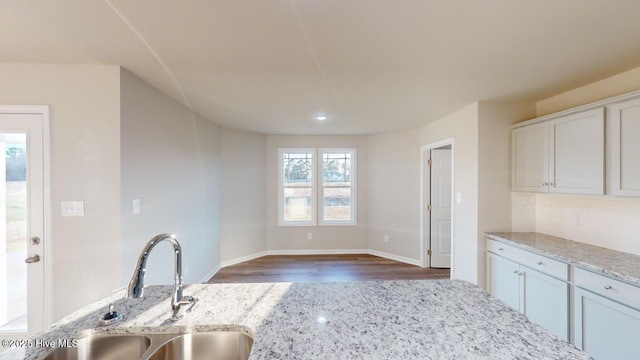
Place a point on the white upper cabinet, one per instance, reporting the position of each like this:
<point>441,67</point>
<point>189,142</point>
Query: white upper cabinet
<point>625,141</point>
<point>530,158</point>
<point>576,164</point>
<point>563,155</point>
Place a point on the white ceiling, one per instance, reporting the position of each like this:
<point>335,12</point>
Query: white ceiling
<point>371,65</point>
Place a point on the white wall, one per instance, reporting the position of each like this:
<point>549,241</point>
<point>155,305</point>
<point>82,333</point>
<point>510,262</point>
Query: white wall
<point>619,84</point>
<point>394,194</point>
<point>604,220</point>
<point>243,208</point>
<point>85,163</point>
<point>325,238</point>
<point>494,169</point>
<point>171,162</point>
<point>462,126</point>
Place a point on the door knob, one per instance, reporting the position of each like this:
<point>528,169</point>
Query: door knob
<point>32,259</point>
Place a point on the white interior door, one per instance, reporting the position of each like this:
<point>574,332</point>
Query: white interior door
<point>440,234</point>
<point>22,309</point>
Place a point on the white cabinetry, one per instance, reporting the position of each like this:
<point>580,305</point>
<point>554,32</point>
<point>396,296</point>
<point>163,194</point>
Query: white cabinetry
<point>562,155</point>
<point>530,158</point>
<point>606,317</point>
<point>535,293</point>
<point>625,150</point>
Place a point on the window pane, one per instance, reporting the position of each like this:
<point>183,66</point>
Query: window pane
<point>336,169</point>
<point>297,204</point>
<point>298,169</point>
<point>13,240</point>
<point>337,204</point>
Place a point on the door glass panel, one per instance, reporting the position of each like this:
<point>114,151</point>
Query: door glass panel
<point>13,233</point>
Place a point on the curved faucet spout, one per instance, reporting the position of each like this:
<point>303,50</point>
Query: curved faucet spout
<point>136,285</point>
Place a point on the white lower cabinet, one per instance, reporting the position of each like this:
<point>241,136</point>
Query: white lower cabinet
<point>546,302</point>
<point>606,325</point>
<point>605,312</point>
<point>542,298</point>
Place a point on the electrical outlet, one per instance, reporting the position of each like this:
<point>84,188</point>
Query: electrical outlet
<point>309,236</point>
<point>136,206</point>
<point>386,238</point>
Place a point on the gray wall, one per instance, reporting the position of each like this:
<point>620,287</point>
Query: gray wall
<point>243,209</point>
<point>85,163</point>
<point>294,238</point>
<point>394,193</point>
<point>171,162</point>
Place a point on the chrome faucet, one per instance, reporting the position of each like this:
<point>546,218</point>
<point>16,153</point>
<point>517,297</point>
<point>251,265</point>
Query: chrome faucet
<point>136,285</point>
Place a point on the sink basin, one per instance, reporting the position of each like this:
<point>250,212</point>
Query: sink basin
<point>115,347</point>
<point>219,345</point>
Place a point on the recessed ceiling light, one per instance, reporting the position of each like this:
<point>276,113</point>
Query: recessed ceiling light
<point>321,118</point>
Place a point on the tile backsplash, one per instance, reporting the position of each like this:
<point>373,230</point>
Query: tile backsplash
<point>611,222</point>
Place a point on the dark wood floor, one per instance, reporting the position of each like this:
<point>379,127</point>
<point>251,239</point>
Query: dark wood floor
<point>316,268</point>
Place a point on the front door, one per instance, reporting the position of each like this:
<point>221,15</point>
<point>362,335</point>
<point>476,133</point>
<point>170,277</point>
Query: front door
<point>21,223</point>
<point>440,213</point>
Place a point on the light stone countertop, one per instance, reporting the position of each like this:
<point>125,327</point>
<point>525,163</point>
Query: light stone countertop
<point>411,319</point>
<point>616,264</point>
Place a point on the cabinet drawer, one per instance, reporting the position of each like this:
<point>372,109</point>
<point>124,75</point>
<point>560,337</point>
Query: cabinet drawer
<point>540,263</point>
<point>608,287</point>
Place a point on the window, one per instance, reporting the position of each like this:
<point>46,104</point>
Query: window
<point>297,190</point>
<point>299,187</point>
<point>337,188</point>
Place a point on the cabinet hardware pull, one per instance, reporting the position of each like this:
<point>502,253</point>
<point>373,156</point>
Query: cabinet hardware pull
<point>520,273</point>
<point>544,184</point>
<point>550,184</point>
<point>515,271</point>
<point>500,249</point>
<point>607,287</point>
<point>539,262</point>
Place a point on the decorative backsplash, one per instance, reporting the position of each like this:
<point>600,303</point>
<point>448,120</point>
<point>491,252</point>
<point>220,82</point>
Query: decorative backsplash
<point>611,222</point>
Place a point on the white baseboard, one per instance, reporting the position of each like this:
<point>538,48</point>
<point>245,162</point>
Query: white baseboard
<point>318,252</point>
<point>399,258</point>
<point>243,259</point>
<point>210,274</point>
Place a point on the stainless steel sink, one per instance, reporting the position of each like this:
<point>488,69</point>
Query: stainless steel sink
<point>217,345</point>
<point>116,347</point>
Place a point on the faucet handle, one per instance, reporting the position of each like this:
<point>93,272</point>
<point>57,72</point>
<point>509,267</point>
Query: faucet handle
<point>111,317</point>
<point>188,300</point>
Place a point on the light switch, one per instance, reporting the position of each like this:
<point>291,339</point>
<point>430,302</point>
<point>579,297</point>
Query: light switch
<point>72,208</point>
<point>136,206</point>
<point>458,198</point>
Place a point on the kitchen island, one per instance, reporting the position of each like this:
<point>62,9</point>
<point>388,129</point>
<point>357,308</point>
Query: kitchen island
<point>410,319</point>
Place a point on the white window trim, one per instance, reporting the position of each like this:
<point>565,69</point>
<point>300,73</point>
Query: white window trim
<point>317,208</point>
<point>314,207</point>
<point>320,190</point>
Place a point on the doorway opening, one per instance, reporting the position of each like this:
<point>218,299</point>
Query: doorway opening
<point>25,241</point>
<point>437,205</point>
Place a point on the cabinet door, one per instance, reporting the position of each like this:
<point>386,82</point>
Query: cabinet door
<point>545,301</point>
<point>529,158</point>
<point>605,329</point>
<point>576,148</point>
<point>503,281</point>
<point>625,139</point>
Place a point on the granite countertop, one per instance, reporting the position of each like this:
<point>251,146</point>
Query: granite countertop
<point>412,319</point>
<point>616,264</point>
